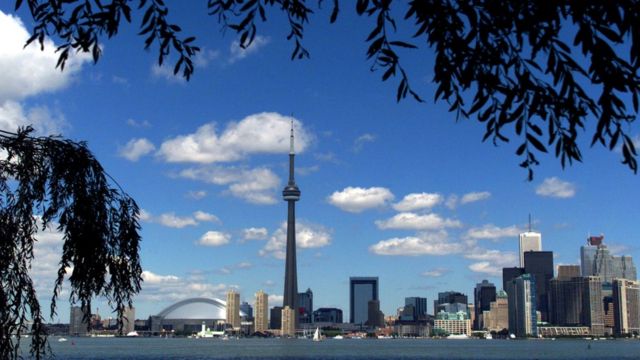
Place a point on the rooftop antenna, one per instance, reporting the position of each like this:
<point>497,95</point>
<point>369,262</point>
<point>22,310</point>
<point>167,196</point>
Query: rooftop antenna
<point>291,139</point>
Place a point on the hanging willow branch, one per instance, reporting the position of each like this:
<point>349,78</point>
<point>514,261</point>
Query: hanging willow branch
<point>60,181</point>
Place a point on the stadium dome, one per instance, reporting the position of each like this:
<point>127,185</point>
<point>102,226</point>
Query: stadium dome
<point>189,314</point>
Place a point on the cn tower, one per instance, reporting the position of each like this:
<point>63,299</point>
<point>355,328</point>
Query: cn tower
<point>291,194</point>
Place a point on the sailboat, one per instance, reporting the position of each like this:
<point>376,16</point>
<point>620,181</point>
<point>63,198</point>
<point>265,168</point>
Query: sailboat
<point>316,335</point>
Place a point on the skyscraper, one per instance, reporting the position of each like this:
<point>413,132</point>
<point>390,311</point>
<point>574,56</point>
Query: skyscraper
<point>509,274</point>
<point>288,321</point>
<point>626,306</point>
<point>419,307</point>
<point>567,272</point>
<point>262,311</point>
<point>522,306</point>
<point>78,321</point>
<point>577,302</point>
<point>451,302</point>
<point>597,260</point>
<point>497,318</point>
<point>233,309</point>
<point>483,295</point>
<point>540,265</point>
<point>361,291</point>
<point>529,241</point>
<point>247,309</point>
<point>291,194</point>
<point>128,320</point>
<point>305,306</point>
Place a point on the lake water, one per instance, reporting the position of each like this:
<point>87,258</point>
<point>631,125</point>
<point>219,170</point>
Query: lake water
<point>181,348</point>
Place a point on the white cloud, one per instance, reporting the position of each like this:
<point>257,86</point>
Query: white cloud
<point>451,202</point>
<point>308,236</point>
<point>239,266</point>
<point>490,262</point>
<point>437,272</point>
<point>236,52</point>
<point>358,144</point>
<point>257,186</point>
<point>197,194</point>
<point>412,221</point>
<point>275,300</point>
<point>254,233</point>
<point>492,232</point>
<point>136,148</point>
<point>263,133</point>
<point>166,72</point>
<point>145,216</point>
<point>173,221</point>
<point>214,238</point>
<point>151,278</point>
<point>475,196</point>
<point>357,199</point>
<point>202,216</point>
<point>172,288</point>
<point>205,56</point>
<point>554,187</point>
<point>485,267</point>
<point>44,121</point>
<point>417,201</point>
<point>423,244</point>
<point>30,71</point>
<point>138,124</point>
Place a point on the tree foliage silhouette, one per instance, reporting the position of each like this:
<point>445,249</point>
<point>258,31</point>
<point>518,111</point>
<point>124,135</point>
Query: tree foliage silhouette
<point>516,66</point>
<point>46,181</point>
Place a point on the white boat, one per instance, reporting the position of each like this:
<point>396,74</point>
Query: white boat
<point>338,337</point>
<point>457,336</point>
<point>133,334</point>
<point>316,335</point>
<point>488,336</point>
<point>62,339</point>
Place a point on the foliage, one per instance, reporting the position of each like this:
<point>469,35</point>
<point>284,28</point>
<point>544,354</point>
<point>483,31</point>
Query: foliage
<point>514,65</point>
<point>44,181</point>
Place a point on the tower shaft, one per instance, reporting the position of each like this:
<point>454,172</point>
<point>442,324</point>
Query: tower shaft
<point>291,194</point>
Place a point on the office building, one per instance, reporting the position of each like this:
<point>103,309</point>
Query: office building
<point>305,307</point>
<point>626,310</point>
<point>529,241</point>
<point>452,323</point>
<point>262,310</point>
<point>568,272</point>
<point>577,302</point>
<point>596,260</point>
<point>78,321</point>
<point>450,302</point>
<point>128,320</point>
<point>247,309</point>
<point>233,309</point>
<point>375,317</point>
<point>275,318</point>
<point>521,293</point>
<point>418,308</point>
<point>327,315</point>
<point>291,194</point>
<point>608,315</point>
<point>497,318</point>
<point>483,295</point>
<point>361,291</point>
<point>540,265</point>
<point>288,322</point>
<point>509,274</point>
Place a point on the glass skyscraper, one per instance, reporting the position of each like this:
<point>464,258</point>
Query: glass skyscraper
<point>540,265</point>
<point>361,291</point>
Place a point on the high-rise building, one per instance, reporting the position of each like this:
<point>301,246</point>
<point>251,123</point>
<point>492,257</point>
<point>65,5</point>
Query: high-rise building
<point>288,321</point>
<point>305,307</point>
<point>233,309</point>
<point>626,310</point>
<point>247,309</point>
<point>262,309</point>
<point>568,272</point>
<point>275,318</point>
<point>375,317</point>
<point>128,320</point>
<point>418,307</point>
<point>597,260</point>
<point>450,302</point>
<point>452,323</point>
<point>529,241</point>
<point>509,274</point>
<point>497,318</point>
<point>291,194</point>
<point>78,321</point>
<point>483,295</point>
<point>540,265</point>
<point>609,319</point>
<point>361,291</point>
<point>522,306</point>
<point>327,315</point>
<point>577,302</point>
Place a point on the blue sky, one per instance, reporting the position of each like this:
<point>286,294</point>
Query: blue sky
<point>399,191</point>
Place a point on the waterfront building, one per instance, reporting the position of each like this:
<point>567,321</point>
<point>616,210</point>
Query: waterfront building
<point>275,318</point>
<point>305,307</point>
<point>608,315</point>
<point>578,302</point>
<point>187,316</point>
<point>540,265</point>
<point>626,311</point>
<point>375,317</point>
<point>361,291</point>
<point>596,260</point>
<point>510,273</point>
<point>288,322</point>
<point>483,295</point>
<point>246,308</point>
<point>555,331</point>
<point>327,315</point>
<point>529,241</point>
<point>291,194</point>
<point>522,306</point>
<point>417,306</point>
<point>452,323</point>
<point>233,309</point>
<point>262,311</point>
<point>497,317</point>
<point>451,302</point>
<point>78,321</point>
<point>567,272</point>
<point>128,320</point>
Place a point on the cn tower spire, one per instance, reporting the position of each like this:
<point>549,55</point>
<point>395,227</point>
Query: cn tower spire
<point>291,194</point>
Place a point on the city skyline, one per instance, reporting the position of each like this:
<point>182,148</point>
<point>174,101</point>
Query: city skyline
<point>397,191</point>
